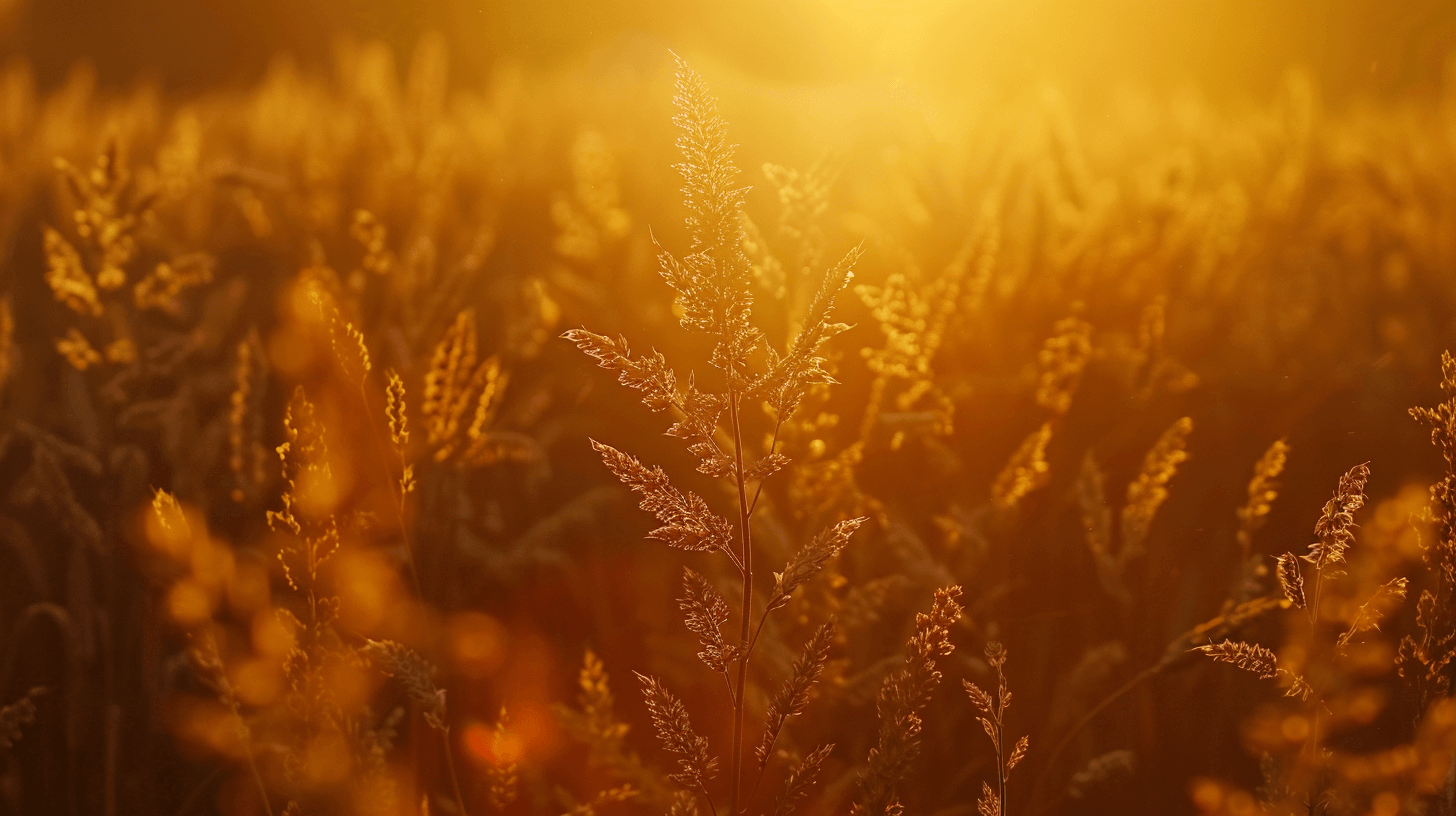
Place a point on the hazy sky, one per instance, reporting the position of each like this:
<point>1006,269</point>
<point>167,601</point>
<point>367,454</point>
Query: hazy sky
<point>1224,47</point>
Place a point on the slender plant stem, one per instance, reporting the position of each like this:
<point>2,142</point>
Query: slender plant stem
<point>394,490</point>
<point>746,556</point>
<point>1050,764</point>
<point>772,447</point>
<point>253,765</point>
<point>1314,755</point>
<point>1001,760</point>
<point>450,764</point>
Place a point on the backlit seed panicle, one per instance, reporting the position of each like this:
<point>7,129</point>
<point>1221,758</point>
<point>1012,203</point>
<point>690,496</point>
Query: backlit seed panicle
<point>169,513</point>
<point>714,280</point>
<point>349,347</point>
<point>1247,656</point>
<point>902,697</point>
<point>675,731</point>
<point>1334,532</point>
<point>312,531</point>
<point>706,613</point>
<point>1425,655</point>
<point>67,277</point>
<point>902,317</point>
<point>789,377</point>
<point>246,453</point>
<point>648,374</point>
<point>1368,615</point>
<point>456,382</point>
<point>1025,471</point>
<point>1063,358</point>
<point>800,781</point>
<point>1260,661</point>
<point>373,237</point>
<point>415,675</point>
<point>1291,579</point>
<point>793,698</point>
<point>394,412</point>
<point>501,773</point>
<point>687,523</point>
<point>161,287</point>
<point>1147,492</point>
<point>811,558</point>
<point>993,722</point>
<point>1263,490</point>
<point>594,724</point>
<point>78,350</point>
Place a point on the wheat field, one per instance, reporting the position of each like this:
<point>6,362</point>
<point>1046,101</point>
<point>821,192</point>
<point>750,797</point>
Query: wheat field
<point>391,428</point>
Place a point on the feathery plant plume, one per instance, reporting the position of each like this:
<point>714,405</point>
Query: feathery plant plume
<point>684,803</point>
<point>1368,615</point>
<point>902,697</point>
<point>306,475</point>
<point>1147,492</point>
<point>1334,532</point>
<point>246,453</point>
<point>345,340</point>
<point>706,613</point>
<point>649,375</point>
<point>462,392</point>
<point>1427,657</point>
<point>713,284</point>
<point>1333,537</point>
<point>712,281</point>
<point>415,676</point>
<point>501,773</point>
<point>396,415</point>
<point>1291,579</point>
<point>1260,661</point>
<point>78,350</point>
<point>800,780</point>
<point>793,698</point>
<point>993,721</point>
<point>809,560</point>
<point>1025,471</point>
<point>1097,522</point>
<point>1063,358</point>
<point>687,523</point>
<point>594,724</point>
<point>67,276</point>
<point>1263,490</point>
<point>675,731</point>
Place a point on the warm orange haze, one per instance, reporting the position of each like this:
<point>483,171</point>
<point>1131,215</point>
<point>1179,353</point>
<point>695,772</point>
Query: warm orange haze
<point>822,407</point>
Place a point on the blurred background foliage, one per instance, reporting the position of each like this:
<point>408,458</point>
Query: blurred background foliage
<point>1243,213</point>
